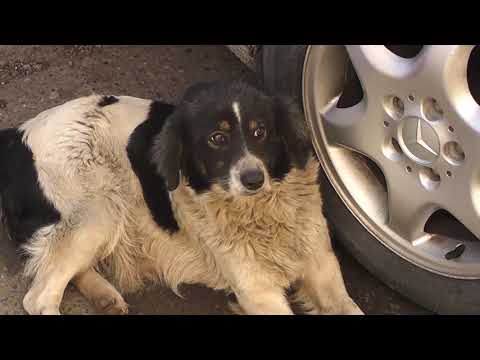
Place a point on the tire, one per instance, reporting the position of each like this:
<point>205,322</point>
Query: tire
<point>282,71</point>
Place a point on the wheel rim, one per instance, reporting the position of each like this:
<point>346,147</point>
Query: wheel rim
<point>419,124</point>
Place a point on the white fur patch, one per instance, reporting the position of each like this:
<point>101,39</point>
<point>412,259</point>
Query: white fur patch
<point>236,110</point>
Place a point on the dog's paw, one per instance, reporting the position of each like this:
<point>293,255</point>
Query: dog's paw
<point>348,307</point>
<point>235,308</point>
<point>111,304</point>
<point>34,304</point>
<point>354,310</point>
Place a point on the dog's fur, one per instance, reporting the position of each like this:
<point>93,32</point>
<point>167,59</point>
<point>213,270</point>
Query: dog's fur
<point>138,190</point>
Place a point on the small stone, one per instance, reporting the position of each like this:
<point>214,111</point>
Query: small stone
<point>54,95</point>
<point>70,63</point>
<point>3,104</point>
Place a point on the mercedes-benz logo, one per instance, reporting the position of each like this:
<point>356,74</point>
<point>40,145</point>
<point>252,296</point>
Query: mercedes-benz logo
<point>419,140</point>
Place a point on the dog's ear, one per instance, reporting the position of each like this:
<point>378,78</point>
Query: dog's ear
<point>293,130</point>
<point>192,91</point>
<point>167,150</point>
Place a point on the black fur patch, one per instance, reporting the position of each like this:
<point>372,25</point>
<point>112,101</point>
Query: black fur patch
<point>280,166</point>
<point>207,108</point>
<point>107,100</point>
<point>25,207</point>
<point>153,185</point>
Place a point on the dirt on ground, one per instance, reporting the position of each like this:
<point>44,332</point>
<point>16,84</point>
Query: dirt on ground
<point>35,78</point>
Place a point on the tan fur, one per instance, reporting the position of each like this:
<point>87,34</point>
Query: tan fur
<point>256,246</point>
<point>276,229</point>
<point>225,125</point>
<point>101,293</point>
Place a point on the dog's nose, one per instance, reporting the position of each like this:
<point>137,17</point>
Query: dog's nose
<point>252,179</point>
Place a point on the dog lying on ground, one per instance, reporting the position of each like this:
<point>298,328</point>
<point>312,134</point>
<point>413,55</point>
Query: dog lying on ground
<point>221,190</point>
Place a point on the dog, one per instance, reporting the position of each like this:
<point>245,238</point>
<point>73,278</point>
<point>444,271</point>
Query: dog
<point>221,189</point>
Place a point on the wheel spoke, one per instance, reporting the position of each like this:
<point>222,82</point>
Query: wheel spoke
<point>377,67</point>
<point>409,208</point>
<point>440,68</point>
<point>442,74</point>
<point>459,198</point>
<point>467,215</point>
<point>354,127</point>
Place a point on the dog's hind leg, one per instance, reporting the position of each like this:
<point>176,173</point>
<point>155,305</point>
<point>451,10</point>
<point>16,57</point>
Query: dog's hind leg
<point>100,293</point>
<point>57,259</point>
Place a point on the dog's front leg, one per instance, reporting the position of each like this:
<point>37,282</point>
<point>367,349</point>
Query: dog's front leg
<point>100,293</point>
<point>263,301</point>
<point>324,286</point>
<point>255,292</point>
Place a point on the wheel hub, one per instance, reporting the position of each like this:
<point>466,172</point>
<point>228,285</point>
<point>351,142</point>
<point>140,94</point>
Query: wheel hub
<point>419,140</point>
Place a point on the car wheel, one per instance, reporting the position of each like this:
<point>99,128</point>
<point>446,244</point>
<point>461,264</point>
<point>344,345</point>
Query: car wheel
<point>397,131</point>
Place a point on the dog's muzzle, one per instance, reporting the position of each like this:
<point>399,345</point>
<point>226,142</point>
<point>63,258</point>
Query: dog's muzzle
<point>252,179</point>
<point>248,176</point>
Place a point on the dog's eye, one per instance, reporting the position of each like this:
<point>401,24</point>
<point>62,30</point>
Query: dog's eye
<point>260,132</point>
<point>218,139</point>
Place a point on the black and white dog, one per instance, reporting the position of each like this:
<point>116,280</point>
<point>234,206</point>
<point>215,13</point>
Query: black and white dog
<point>220,190</point>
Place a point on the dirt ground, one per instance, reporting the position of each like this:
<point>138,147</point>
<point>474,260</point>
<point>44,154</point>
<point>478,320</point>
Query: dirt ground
<point>34,78</point>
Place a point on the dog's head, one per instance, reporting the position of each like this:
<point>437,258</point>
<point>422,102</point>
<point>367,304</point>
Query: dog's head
<point>232,135</point>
